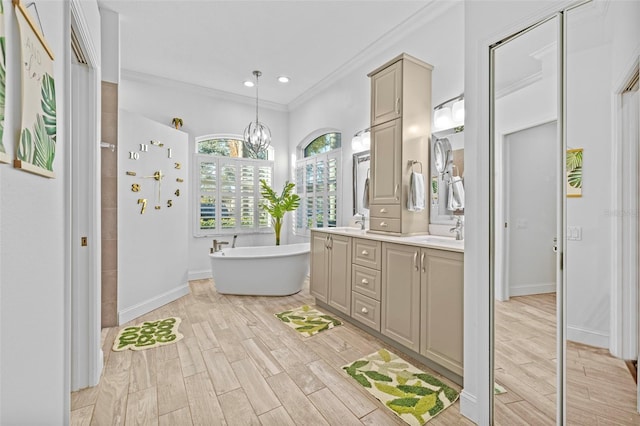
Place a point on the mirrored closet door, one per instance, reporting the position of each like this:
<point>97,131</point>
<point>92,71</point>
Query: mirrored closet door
<point>565,191</point>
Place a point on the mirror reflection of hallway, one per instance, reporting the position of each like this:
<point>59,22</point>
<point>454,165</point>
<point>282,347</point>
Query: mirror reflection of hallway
<point>526,148</point>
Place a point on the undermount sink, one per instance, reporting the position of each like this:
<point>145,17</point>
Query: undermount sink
<point>349,229</point>
<point>439,240</point>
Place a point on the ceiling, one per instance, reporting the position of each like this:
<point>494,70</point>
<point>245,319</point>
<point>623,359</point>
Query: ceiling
<point>217,44</point>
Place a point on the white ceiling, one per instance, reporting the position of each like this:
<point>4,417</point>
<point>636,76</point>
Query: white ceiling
<point>217,44</point>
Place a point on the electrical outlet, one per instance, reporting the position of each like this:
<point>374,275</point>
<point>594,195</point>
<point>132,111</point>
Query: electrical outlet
<point>574,233</point>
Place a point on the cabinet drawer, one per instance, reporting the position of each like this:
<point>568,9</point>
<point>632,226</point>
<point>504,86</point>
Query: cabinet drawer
<point>366,281</point>
<point>367,252</point>
<point>366,310</point>
<point>384,224</point>
<point>385,210</point>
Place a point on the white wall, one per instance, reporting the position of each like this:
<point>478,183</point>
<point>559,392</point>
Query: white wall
<point>345,105</point>
<point>486,23</point>
<point>110,32</point>
<point>33,369</point>
<point>204,114</point>
<point>152,246</point>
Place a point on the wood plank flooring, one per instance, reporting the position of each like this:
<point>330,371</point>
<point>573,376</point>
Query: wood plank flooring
<point>599,387</point>
<point>238,365</point>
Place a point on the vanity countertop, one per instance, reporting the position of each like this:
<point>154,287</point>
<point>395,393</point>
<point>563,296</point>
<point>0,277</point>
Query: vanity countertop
<point>426,240</point>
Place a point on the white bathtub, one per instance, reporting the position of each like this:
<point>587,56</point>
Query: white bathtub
<point>261,271</point>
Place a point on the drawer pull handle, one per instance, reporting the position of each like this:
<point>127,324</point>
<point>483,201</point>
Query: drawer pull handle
<point>395,191</point>
<point>364,311</point>
<point>383,224</point>
<point>383,210</point>
<point>365,253</point>
<point>365,281</point>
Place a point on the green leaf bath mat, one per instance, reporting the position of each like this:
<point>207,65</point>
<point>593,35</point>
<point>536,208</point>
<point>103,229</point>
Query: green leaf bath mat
<point>148,334</point>
<point>308,321</point>
<point>413,395</point>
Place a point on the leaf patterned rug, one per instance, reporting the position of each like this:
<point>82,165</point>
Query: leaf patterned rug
<point>149,334</point>
<point>498,390</point>
<point>307,320</point>
<point>413,395</point>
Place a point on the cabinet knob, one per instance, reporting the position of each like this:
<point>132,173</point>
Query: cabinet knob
<point>364,310</point>
<point>383,210</point>
<point>383,224</point>
<point>365,253</point>
<point>365,281</point>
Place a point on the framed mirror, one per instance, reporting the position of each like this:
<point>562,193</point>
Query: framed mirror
<point>361,174</point>
<point>447,177</point>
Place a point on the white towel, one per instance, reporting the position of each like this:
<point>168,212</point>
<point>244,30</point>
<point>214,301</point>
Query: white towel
<point>456,194</point>
<point>416,198</point>
<point>365,195</point>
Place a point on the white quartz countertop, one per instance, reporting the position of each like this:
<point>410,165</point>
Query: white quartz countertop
<point>426,240</point>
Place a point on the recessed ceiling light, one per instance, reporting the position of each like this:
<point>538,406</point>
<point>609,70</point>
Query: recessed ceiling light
<point>249,83</point>
<point>283,79</point>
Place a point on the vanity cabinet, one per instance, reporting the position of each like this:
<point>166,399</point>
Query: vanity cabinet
<point>400,132</point>
<point>442,300</point>
<point>400,318</point>
<point>330,279</point>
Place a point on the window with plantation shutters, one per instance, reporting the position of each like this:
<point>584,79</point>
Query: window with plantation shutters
<point>317,183</point>
<point>228,199</point>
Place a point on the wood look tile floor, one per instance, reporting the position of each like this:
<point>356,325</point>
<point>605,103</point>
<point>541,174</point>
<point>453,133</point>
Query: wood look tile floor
<point>600,389</point>
<point>238,365</point>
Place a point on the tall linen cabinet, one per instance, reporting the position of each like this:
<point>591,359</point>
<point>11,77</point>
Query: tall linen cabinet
<point>400,132</point>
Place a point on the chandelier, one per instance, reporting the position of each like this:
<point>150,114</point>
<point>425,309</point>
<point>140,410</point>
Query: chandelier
<point>257,136</point>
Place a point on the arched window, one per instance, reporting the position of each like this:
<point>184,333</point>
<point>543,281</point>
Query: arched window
<point>317,178</point>
<point>228,186</point>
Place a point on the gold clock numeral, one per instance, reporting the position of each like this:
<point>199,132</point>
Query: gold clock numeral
<point>142,201</point>
<point>156,143</point>
<point>135,187</point>
<point>179,180</point>
<point>131,173</point>
<point>157,207</point>
<point>170,203</point>
<point>177,192</point>
<point>178,166</point>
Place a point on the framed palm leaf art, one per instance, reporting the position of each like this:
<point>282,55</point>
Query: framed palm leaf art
<point>574,172</point>
<point>36,147</point>
<point>4,157</point>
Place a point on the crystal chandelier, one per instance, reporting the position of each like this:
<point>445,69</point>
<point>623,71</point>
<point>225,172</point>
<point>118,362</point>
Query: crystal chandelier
<point>257,136</point>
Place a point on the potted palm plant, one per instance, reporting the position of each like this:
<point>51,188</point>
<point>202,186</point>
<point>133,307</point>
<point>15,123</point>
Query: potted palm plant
<point>277,205</point>
<point>177,122</point>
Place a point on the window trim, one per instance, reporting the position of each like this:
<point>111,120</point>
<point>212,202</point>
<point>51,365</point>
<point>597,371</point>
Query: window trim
<point>198,139</point>
<point>198,159</point>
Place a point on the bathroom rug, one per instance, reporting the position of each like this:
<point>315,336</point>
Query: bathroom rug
<point>307,320</point>
<point>148,334</point>
<point>498,390</point>
<point>410,393</point>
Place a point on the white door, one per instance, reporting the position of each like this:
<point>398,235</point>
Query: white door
<point>531,185</point>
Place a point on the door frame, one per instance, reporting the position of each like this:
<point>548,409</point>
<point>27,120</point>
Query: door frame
<point>84,358</point>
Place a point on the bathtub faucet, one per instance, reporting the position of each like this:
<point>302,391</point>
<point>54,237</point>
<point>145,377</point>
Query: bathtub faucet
<point>217,245</point>
<point>233,244</point>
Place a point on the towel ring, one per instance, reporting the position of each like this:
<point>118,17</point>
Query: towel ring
<point>414,162</point>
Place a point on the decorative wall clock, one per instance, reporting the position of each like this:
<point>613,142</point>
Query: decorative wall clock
<point>154,176</point>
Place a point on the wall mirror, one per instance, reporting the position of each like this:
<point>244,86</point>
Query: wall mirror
<point>447,176</point>
<point>361,174</point>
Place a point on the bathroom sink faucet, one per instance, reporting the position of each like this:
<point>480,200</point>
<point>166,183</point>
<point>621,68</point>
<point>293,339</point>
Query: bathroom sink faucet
<point>457,229</point>
<point>361,222</point>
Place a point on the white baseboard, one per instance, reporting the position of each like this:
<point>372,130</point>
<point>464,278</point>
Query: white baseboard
<point>528,289</point>
<point>588,337</point>
<point>200,275</point>
<point>469,406</point>
<point>147,306</point>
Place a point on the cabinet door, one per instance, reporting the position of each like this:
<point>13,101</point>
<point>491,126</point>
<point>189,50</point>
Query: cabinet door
<point>442,308</point>
<point>319,266</point>
<point>340,273</point>
<point>386,94</point>
<point>400,319</point>
<point>386,167</point>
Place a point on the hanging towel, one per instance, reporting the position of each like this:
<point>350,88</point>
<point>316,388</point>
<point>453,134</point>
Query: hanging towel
<point>416,198</point>
<point>365,195</point>
<point>456,194</point>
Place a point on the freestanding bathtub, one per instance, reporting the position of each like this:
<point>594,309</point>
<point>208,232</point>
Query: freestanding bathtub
<point>261,271</point>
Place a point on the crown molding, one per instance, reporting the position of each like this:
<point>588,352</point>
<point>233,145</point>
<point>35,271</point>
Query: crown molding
<point>427,13</point>
<point>141,77</point>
